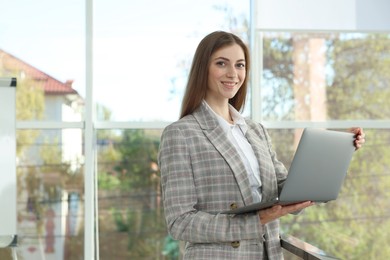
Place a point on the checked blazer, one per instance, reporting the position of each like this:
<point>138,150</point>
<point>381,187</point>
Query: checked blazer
<point>202,174</point>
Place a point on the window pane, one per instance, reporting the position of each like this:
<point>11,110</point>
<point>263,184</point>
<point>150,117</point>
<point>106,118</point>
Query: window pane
<point>50,194</point>
<point>350,226</point>
<point>131,220</point>
<point>326,76</point>
<point>143,52</point>
<point>44,50</point>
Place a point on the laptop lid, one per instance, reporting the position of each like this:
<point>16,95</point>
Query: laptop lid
<point>317,171</point>
<point>319,166</point>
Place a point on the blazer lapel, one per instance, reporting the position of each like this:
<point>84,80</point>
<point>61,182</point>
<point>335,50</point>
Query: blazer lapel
<point>217,137</point>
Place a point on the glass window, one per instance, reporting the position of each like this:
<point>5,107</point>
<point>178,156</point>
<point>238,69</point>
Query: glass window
<point>325,76</point>
<point>43,46</point>
<point>50,194</point>
<point>143,52</point>
<point>341,227</point>
<point>131,220</point>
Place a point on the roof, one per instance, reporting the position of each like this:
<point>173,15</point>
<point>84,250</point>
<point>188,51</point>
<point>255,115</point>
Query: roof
<point>51,85</point>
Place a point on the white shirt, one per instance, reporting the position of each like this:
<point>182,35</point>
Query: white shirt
<point>236,134</point>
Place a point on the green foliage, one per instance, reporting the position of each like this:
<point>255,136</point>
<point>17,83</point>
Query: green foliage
<point>171,248</point>
<point>107,181</point>
<point>128,173</point>
<point>144,229</point>
<point>278,79</point>
<point>122,223</point>
<point>139,155</point>
<point>30,105</point>
<point>362,77</point>
<point>358,76</point>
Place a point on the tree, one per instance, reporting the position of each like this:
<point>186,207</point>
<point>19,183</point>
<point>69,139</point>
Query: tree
<point>357,73</point>
<point>136,212</point>
<point>29,106</point>
<point>362,66</point>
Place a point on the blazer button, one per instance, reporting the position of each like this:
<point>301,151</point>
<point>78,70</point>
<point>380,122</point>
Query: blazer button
<point>235,244</point>
<point>233,205</point>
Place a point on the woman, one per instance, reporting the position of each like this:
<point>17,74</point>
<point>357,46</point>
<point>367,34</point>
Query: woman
<point>213,159</point>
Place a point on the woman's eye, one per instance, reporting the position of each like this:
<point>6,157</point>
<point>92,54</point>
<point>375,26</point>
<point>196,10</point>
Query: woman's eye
<point>221,63</point>
<point>240,65</point>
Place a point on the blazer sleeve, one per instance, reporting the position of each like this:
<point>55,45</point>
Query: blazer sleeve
<point>183,219</point>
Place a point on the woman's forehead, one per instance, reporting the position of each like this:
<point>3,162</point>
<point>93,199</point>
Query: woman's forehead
<point>231,52</point>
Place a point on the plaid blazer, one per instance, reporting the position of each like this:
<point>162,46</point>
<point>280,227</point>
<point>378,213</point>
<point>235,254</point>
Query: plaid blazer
<point>201,175</point>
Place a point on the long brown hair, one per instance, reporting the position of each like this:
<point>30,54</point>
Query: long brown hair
<point>197,80</point>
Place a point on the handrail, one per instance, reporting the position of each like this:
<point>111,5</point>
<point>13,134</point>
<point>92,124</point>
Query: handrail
<point>302,249</point>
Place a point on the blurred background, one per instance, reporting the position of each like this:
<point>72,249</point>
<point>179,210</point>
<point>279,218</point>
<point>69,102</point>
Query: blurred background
<point>99,80</point>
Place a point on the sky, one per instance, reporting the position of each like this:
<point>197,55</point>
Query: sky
<point>138,47</point>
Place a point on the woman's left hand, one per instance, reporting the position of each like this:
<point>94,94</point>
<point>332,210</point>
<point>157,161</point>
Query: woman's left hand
<point>359,136</point>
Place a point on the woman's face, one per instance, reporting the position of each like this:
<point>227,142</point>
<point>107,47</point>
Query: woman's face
<point>226,73</point>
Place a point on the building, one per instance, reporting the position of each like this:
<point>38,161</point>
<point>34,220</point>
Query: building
<point>45,215</point>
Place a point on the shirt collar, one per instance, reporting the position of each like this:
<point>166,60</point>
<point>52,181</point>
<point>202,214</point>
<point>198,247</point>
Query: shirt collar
<point>238,119</point>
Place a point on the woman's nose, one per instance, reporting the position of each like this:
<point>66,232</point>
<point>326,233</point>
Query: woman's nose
<point>231,73</point>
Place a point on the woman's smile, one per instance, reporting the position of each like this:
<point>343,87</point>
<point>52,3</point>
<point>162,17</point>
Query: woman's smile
<point>227,72</point>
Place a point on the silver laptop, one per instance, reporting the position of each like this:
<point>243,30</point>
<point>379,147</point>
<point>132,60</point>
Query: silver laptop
<point>317,171</point>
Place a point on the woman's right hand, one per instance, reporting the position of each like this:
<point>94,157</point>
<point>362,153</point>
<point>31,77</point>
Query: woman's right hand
<point>277,211</point>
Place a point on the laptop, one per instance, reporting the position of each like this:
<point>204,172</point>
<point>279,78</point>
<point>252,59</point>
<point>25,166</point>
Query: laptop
<point>317,171</point>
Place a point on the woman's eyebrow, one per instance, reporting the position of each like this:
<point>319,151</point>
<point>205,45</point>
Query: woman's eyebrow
<point>226,59</point>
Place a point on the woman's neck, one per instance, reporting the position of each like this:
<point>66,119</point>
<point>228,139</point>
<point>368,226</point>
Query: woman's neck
<point>221,109</point>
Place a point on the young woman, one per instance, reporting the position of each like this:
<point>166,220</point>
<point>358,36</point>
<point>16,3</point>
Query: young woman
<point>213,159</point>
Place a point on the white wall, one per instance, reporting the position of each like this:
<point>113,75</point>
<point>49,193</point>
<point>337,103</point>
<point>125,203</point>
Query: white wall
<point>323,15</point>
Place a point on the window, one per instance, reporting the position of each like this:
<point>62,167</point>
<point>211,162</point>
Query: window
<point>143,52</point>
<point>325,76</point>
<point>133,57</point>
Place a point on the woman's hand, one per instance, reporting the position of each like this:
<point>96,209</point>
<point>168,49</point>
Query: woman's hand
<point>270,214</point>
<point>359,136</point>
